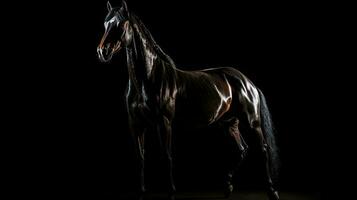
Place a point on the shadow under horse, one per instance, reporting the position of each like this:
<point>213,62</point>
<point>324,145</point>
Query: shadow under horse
<point>158,93</point>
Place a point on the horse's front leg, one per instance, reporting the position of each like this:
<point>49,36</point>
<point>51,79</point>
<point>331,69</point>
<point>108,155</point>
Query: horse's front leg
<point>138,133</point>
<point>165,132</point>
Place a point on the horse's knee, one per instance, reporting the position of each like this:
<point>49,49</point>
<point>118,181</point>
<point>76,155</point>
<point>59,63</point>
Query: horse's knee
<point>255,123</point>
<point>265,149</point>
<point>244,153</point>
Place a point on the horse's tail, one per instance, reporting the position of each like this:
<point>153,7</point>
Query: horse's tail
<point>268,131</point>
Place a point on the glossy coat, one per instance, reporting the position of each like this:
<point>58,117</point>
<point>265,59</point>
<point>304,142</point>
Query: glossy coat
<point>158,93</point>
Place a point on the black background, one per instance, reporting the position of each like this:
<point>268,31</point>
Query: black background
<point>76,105</point>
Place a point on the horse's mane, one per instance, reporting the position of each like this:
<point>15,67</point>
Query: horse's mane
<point>151,40</point>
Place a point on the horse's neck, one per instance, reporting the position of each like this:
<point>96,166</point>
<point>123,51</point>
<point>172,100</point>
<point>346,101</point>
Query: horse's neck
<point>141,58</point>
<point>151,71</point>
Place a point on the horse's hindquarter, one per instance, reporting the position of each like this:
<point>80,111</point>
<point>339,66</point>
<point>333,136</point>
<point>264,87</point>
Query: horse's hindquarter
<point>203,97</point>
<point>246,92</point>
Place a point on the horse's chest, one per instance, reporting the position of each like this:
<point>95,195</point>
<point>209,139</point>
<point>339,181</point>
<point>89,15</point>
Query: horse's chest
<point>145,104</point>
<point>140,105</point>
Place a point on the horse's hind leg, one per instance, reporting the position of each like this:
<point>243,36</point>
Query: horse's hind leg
<point>272,193</point>
<point>239,147</point>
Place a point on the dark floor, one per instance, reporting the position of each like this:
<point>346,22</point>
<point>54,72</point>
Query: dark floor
<point>219,196</point>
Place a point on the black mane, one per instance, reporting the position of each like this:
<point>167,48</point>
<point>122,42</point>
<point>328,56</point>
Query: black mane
<point>162,55</point>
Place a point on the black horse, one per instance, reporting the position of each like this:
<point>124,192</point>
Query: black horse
<point>158,93</point>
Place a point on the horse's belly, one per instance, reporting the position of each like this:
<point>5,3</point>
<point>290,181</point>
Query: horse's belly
<point>198,113</point>
<point>204,98</point>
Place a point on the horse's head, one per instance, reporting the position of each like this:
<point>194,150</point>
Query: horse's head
<point>118,32</point>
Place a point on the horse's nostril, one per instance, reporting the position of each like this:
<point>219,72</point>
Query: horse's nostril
<point>107,46</point>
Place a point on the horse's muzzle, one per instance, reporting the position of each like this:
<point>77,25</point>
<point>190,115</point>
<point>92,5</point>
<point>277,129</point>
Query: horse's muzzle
<point>105,53</point>
<point>102,55</point>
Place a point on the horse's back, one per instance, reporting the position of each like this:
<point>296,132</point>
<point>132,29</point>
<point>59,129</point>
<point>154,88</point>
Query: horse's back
<point>237,79</point>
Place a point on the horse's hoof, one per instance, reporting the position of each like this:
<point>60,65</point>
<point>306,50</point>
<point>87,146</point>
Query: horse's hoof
<point>228,191</point>
<point>171,197</point>
<point>172,191</point>
<point>139,196</point>
<point>141,190</point>
<point>243,154</point>
<point>273,195</point>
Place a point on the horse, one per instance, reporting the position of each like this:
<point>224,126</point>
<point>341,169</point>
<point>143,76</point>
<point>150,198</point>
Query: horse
<point>158,92</point>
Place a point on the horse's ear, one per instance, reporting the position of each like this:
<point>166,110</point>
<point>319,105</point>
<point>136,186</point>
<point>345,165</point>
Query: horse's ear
<point>125,6</point>
<point>109,6</point>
